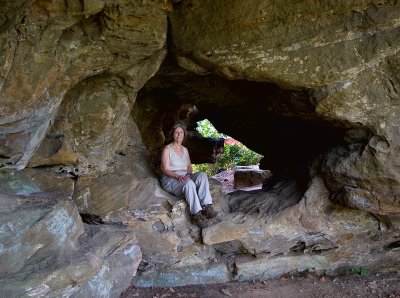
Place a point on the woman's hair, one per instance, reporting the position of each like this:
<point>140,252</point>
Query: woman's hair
<point>181,125</point>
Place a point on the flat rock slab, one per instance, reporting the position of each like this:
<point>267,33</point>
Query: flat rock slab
<point>249,176</point>
<point>200,274</point>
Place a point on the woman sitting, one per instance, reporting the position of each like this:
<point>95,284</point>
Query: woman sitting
<point>178,178</point>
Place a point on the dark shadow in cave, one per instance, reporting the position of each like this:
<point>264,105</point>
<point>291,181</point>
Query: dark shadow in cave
<point>290,145</point>
<point>283,194</point>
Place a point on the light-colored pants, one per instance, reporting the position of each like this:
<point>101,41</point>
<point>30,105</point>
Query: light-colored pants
<point>196,190</point>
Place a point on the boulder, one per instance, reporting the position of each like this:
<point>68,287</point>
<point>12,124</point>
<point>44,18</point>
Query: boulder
<point>245,176</point>
<point>46,250</point>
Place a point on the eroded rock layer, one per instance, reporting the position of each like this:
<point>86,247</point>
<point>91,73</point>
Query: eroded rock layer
<point>90,89</point>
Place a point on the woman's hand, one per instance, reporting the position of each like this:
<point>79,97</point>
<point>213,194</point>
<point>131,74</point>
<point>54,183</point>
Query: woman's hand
<point>183,178</point>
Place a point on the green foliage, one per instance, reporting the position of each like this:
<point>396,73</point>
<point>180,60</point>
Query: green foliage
<point>210,169</point>
<point>234,155</point>
<point>207,130</point>
<point>357,270</point>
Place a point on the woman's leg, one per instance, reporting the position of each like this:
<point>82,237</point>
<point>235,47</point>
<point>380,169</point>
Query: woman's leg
<point>203,187</point>
<point>189,190</point>
<point>186,188</point>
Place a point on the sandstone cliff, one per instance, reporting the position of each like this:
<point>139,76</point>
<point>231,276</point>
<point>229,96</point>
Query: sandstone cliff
<point>89,90</point>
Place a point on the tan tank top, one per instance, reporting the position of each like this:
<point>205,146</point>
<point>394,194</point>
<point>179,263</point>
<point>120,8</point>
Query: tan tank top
<point>177,163</point>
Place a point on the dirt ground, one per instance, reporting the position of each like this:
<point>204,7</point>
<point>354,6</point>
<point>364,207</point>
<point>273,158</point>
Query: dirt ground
<point>377,285</point>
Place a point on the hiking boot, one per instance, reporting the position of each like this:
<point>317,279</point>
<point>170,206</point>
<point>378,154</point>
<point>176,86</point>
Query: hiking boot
<point>209,211</point>
<point>200,220</point>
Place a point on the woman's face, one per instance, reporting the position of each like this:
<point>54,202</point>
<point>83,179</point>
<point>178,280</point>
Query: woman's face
<point>178,134</point>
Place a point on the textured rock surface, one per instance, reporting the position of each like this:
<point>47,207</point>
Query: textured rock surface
<point>310,86</point>
<point>343,58</point>
<point>85,108</point>
<point>77,50</point>
<point>286,42</point>
<point>69,74</point>
<point>46,250</point>
<point>170,241</point>
<point>313,234</point>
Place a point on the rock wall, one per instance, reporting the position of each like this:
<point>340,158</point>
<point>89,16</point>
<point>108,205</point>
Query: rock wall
<point>312,87</point>
<point>88,94</point>
<point>335,65</point>
<point>69,74</point>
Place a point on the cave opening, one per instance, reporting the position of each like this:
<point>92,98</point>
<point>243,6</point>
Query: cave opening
<point>277,122</point>
<point>228,155</point>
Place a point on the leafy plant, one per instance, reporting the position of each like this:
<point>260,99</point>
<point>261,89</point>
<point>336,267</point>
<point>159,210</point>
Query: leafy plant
<point>357,270</point>
<point>234,154</point>
<point>207,130</point>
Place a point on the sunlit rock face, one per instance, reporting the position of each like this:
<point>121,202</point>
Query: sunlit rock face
<point>88,95</point>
